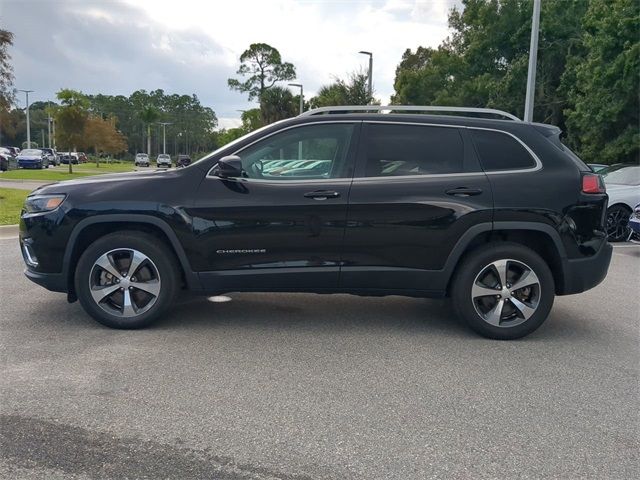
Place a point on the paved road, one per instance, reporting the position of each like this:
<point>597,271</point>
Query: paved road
<point>318,387</point>
<point>21,184</point>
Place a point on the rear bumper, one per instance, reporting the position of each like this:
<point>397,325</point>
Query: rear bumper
<point>584,274</point>
<point>51,281</point>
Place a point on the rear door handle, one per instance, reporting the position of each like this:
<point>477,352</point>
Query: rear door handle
<point>322,194</point>
<point>463,191</point>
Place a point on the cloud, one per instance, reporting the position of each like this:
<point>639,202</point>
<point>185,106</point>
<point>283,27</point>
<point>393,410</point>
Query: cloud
<point>193,46</point>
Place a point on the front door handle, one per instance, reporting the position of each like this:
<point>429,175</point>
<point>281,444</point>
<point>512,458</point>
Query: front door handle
<point>322,194</point>
<point>463,191</point>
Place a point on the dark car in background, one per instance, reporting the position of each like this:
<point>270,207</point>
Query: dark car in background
<point>183,161</point>
<point>495,213</point>
<point>32,158</point>
<point>6,156</point>
<point>66,157</point>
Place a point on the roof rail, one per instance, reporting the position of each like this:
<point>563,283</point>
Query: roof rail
<point>406,108</point>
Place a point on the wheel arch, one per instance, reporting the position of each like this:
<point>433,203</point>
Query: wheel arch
<point>541,238</point>
<point>90,229</point>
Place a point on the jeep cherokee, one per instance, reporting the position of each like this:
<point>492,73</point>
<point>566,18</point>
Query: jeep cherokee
<point>495,213</point>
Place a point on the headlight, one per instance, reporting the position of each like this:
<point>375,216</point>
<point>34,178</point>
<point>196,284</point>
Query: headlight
<point>43,203</point>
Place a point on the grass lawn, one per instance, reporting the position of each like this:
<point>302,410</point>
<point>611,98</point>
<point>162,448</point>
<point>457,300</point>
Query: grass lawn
<point>11,201</point>
<point>62,172</point>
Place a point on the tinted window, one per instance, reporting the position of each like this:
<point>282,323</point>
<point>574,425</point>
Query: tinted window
<point>396,150</point>
<point>499,151</point>
<point>307,152</point>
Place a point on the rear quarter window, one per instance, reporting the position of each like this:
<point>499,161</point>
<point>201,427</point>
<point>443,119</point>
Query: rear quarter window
<point>500,151</point>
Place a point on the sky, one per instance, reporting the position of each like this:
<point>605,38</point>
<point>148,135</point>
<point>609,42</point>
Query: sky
<point>187,46</point>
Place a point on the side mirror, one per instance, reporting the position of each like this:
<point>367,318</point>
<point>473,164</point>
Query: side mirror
<point>228,167</point>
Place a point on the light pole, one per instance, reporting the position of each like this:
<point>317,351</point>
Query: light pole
<point>533,60</point>
<point>164,136</point>
<point>370,73</point>
<point>27,92</point>
<point>301,95</point>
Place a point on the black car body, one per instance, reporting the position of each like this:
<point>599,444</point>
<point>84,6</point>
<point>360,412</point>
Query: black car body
<point>375,221</point>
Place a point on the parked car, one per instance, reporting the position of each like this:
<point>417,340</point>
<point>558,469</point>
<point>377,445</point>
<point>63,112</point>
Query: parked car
<point>163,160</point>
<point>141,160</point>
<point>623,187</point>
<point>634,222</point>
<point>52,156</point>
<point>495,213</point>
<point>82,157</point>
<point>597,167</point>
<point>14,150</point>
<point>183,161</point>
<point>32,158</point>
<point>5,156</point>
<point>66,157</point>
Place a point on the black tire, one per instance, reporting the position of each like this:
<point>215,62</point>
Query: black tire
<point>618,223</point>
<point>475,264</point>
<point>163,260</point>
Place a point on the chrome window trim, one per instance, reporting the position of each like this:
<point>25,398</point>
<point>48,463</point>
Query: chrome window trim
<point>355,122</point>
<point>535,157</point>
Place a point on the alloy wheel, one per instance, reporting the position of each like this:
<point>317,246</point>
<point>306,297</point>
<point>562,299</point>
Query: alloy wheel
<point>506,293</point>
<point>124,282</point>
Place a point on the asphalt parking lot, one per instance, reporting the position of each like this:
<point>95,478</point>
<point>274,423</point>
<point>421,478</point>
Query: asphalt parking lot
<point>318,387</point>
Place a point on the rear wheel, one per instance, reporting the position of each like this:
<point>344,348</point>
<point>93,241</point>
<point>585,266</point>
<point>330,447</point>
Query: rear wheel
<point>503,290</point>
<point>126,279</point>
<point>618,223</point>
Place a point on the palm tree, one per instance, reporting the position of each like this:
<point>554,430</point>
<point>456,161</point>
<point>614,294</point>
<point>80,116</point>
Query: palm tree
<point>277,103</point>
<point>149,115</point>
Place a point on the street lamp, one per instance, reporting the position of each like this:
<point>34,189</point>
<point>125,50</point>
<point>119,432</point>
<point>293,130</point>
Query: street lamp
<point>164,136</point>
<point>533,59</point>
<point>299,85</point>
<point>370,73</point>
<point>27,92</point>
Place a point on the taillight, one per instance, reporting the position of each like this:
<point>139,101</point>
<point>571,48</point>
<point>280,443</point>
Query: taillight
<point>592,183</point>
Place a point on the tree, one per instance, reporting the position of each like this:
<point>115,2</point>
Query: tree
<point>277,103</point>
<point>484,61</point>
<point>6,70</point>
<point>251,120</point>
<point>149,115</point>
<point>71,119</point>
<point>603,84</point>
<point>264,66</point>
<point>102,136</point>
<point>353,91</point>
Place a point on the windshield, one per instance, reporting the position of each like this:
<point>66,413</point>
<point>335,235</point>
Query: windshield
<point>142,155</point>
<point>623,176</point>
<point>31,151</point>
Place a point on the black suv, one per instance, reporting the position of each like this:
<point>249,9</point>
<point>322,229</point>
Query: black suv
<point>495,213</point>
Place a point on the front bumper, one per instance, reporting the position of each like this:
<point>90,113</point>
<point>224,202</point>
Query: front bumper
<point>29,164</point>
<point>634,224</point>
<point>585,273</point>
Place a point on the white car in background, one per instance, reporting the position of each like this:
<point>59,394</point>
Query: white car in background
<point>623,188</point>
<point>142,160</point>
<point>163,160</point>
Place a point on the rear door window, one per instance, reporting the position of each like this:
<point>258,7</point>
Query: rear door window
<point>500,151</point>
<point>399,150</point>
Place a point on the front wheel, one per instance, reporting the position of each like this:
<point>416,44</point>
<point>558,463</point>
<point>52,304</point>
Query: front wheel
<point>503,290</point>
<point>126,279</point>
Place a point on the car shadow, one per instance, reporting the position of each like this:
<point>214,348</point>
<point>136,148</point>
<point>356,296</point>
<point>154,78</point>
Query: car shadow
<point>304,312</point>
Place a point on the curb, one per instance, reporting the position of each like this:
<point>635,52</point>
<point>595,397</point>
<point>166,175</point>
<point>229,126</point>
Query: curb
<point>8,231</point>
